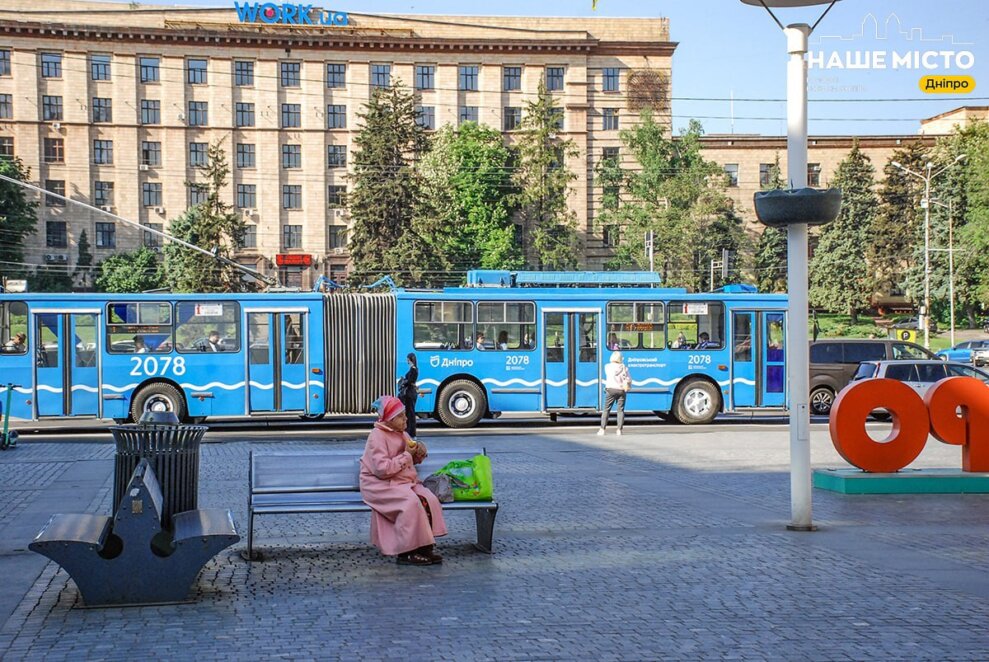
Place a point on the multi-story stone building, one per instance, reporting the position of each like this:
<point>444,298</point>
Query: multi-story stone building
<point>114,105</point>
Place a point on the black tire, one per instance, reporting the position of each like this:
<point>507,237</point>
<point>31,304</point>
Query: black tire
<point>312,418</point>
<point>697,402</point>
<point>664,416</point>
<point>882,416</point>
<point>462,404</point>
<point>158,397</point>
<point>821,400</point>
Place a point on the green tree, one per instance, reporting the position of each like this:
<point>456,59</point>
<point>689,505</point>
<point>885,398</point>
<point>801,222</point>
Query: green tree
<point>891,249</point>
<point>386,193</point>
<point>840,278</point>
<point>84,262</point>
<point>50,278</point>
<point>770,254</point>
<point>673,193</point>
<point>467,181</point>
<point>542,179</point>
<point>211,225</point>
<point>130,272</point>
<point>18,216</point>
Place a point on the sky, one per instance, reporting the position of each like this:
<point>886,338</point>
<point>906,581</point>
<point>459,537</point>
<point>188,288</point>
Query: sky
<point>728,50</point>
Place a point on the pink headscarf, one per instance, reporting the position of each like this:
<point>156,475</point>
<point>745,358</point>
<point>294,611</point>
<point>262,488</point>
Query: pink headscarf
<point>389,407</point>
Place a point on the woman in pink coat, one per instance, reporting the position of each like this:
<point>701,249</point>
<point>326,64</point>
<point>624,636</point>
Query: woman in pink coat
<point>405,517</point>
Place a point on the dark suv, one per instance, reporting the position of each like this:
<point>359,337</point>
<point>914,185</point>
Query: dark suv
<point>833,364</point>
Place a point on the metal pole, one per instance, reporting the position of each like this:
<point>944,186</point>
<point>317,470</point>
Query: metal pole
<point>927,258</point>
<point>951,269</point>
<point>796,279</point>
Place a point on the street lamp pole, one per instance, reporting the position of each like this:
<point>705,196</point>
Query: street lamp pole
<point>951,260</point>
<point>926,203</point>
<point>798,344</point>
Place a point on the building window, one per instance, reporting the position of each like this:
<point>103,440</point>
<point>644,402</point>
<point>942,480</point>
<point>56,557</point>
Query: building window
<point>468,77</point>
<point>247,196</point>
<point>336,156</point>
<point>197,155</point>
<point>54,150</point>
<point>609,119</point>
<point>336,196</point>
<point>196,71</point>
<point>106,235</point>
<point>336,116</point>
<point>103,152</point>
<point>51,65</point>
<point>765,174</point>
<point>610,154</point>
<point>150,153</point>
<point>511,79</point>
<point>245,155</point>
<point>557,114</point>
<point>198,113</point>
<point>291,74</point>
<point>612,236</point>
<point>6,106</point>
<point>336,236</point>
<point>7,147</point>
<point>56,234</point>
<point>151,194</point>
<point>99,67</point>
<point>152,240</point>
<point>291,236</point>
<point>513,118</point>
<point>468,114</point>
<point>102,110</point>
<point>426,117</point>
<point>51,108</point>
<point>814,174</point>
<point>381,75</point>
<point>198,194</point>
<point>610,79</point>
<point>554,79</point>
<point>336,75</point>
<point>249,237</point>
<point>103,194</point>
<point>291,196</point>
<point>55,186</point>
<point>150,111</point>
<point>150,69</point>
<point>291,115</point>
<point>244,73</point>
<point>291,156</point>
<point>244,114</point>
<point>5,62</point>
<point>731,172</point>
<point>425,77</point>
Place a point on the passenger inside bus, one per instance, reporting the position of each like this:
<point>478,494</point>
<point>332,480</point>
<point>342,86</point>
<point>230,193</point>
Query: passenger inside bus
<point>704,342</point>
<point>503,340</point>
<point>17,344</point>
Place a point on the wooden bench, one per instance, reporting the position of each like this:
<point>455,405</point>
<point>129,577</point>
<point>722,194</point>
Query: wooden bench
<point>327,482</point>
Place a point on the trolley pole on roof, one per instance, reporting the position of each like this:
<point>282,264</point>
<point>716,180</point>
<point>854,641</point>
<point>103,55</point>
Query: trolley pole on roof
<point>267,280</point>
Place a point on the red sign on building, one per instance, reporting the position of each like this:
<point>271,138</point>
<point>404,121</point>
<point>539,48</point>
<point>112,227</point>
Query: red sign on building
<point>293,260</point>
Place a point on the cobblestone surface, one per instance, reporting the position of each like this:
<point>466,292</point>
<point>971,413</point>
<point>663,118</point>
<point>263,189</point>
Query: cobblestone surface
<point>663,546</point>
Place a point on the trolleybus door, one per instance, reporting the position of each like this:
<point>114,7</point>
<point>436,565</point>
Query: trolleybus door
<point>66,355</point>
<point>571,360</point>
<point>758,359</point>
<point>278,361</point>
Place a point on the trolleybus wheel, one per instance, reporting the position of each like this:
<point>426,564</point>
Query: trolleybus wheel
<point>312,417</point>
<point>698,402</point>
<point>462,404</point>
<point>157,397</point>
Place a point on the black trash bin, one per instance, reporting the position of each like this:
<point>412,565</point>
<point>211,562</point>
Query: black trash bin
<point>173,452</point>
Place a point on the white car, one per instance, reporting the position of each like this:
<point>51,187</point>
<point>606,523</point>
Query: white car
<point>919,375</point>
<point>980,356</point>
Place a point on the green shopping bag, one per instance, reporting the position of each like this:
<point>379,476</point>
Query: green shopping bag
<point>475,473</point>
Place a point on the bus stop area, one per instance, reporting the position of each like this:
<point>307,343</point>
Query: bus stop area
<point>669,542</point>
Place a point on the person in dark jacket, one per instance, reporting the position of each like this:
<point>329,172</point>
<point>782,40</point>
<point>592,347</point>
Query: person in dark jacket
<point>408,393</point>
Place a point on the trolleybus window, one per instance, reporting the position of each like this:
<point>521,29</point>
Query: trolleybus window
<point>443,325</point>
<point>696,325</point>
<point>139,328</point>
<point>635,325</point>
<point>507,326</point>
<point>207,326</point>
<point>13,327</point>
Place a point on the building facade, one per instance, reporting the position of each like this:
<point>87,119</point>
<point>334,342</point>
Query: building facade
<point>115,106</point>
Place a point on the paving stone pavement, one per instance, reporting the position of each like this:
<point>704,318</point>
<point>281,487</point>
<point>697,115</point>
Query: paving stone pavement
<point>663,544</point>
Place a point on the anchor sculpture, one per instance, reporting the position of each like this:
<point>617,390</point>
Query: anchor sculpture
<point>130,558</point>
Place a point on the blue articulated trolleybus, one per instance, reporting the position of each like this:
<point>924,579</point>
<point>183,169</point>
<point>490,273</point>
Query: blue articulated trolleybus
<point>533,342</point>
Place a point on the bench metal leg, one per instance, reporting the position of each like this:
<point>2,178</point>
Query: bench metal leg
<point>485,529</point>
<point>250,554</point>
